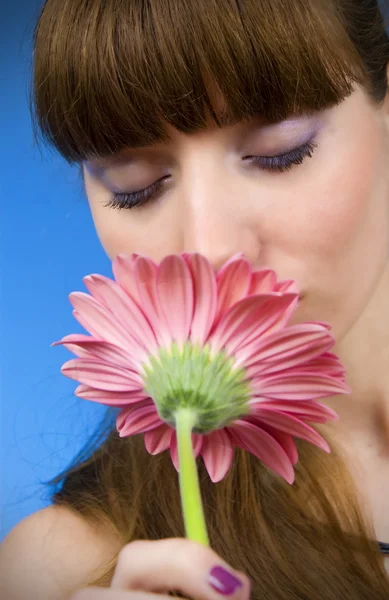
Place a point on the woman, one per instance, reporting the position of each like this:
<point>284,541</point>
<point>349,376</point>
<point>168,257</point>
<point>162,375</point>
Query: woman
<point>218,127</point>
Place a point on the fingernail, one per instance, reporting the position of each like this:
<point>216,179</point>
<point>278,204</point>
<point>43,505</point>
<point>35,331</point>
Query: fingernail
<point>223,582</point>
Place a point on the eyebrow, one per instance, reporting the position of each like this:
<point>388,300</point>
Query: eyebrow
<point>127,160</point>
<point>112,161</point>
<point>99,171</point>
<point>150,152</point>
<point>120,160</point>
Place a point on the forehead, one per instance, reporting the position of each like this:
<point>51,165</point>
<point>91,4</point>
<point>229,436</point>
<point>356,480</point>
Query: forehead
<point>220,108</point>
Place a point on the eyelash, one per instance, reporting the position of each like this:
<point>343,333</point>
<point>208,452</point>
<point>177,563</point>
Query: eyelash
<point>280,163</point>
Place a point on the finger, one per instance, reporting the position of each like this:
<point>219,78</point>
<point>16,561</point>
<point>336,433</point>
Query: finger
<point>96,593</point>
<point>178,564</point>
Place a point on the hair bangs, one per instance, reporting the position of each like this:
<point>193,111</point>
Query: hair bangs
<point>114,72</point>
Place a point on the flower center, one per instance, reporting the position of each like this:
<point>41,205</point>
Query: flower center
<point>191,377</point>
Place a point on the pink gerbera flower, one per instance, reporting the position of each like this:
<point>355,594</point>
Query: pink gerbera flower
<point>179,335</point>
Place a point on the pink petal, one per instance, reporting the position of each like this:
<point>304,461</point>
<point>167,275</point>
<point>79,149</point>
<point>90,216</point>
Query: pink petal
<point>103,325</point>
<point>297,386</point>
<point>309,411</point>
<point>138,419</point>
<point>84,346</point>
<point>235,324</point>
<point>322,323</point>
<point>263,282</point>
<point>175,292</point>
<point>123,307</point>
<point>205,297</point>
<point>73,342</point>
<point>123,271</point>
<point>288,286</point>
<point>286,348</point>
<point>233,282</point>
<point>217,454</point>
<point>328,363</point>
<point>289,425</point>
<point>116,399</point>
<point>197,441</point>
<point>102,376</point>
<point>250,318</point>
<point>285,441</point>
<point>174,451</point>
<point>158,439</point>
<point>273,317</point>
<point>258,442</point>
<point>145,272</point>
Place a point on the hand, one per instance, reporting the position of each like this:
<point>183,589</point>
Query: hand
<point>149,570</point>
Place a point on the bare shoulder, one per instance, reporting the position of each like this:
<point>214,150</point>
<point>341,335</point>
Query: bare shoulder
<point>52,553</point>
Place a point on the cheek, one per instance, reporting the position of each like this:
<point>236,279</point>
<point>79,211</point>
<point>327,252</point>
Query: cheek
<point>110,224</point>
<point>344,194</point>
<point>122,232</point>
<point>342,205</point>
<point>105,224</point>
<point>344,235</point>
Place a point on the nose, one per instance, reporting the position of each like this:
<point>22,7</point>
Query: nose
<point>216,221</point>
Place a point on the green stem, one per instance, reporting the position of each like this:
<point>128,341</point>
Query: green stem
<point>192,506</point>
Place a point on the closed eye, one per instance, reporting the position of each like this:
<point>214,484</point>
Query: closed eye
<point>279,163</point>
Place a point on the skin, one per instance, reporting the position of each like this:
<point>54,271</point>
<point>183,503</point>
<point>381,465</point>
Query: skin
<point>324,223</point>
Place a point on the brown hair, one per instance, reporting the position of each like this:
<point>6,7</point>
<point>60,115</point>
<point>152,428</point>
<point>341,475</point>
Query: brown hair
<point>109,74</point>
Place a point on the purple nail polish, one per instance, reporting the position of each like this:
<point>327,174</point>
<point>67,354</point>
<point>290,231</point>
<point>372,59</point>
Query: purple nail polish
<point>223,582</point>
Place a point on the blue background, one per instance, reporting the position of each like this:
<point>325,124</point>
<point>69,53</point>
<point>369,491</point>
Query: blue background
<point>47,245</point>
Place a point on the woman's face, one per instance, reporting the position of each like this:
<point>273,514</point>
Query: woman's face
<point>323,222</point>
